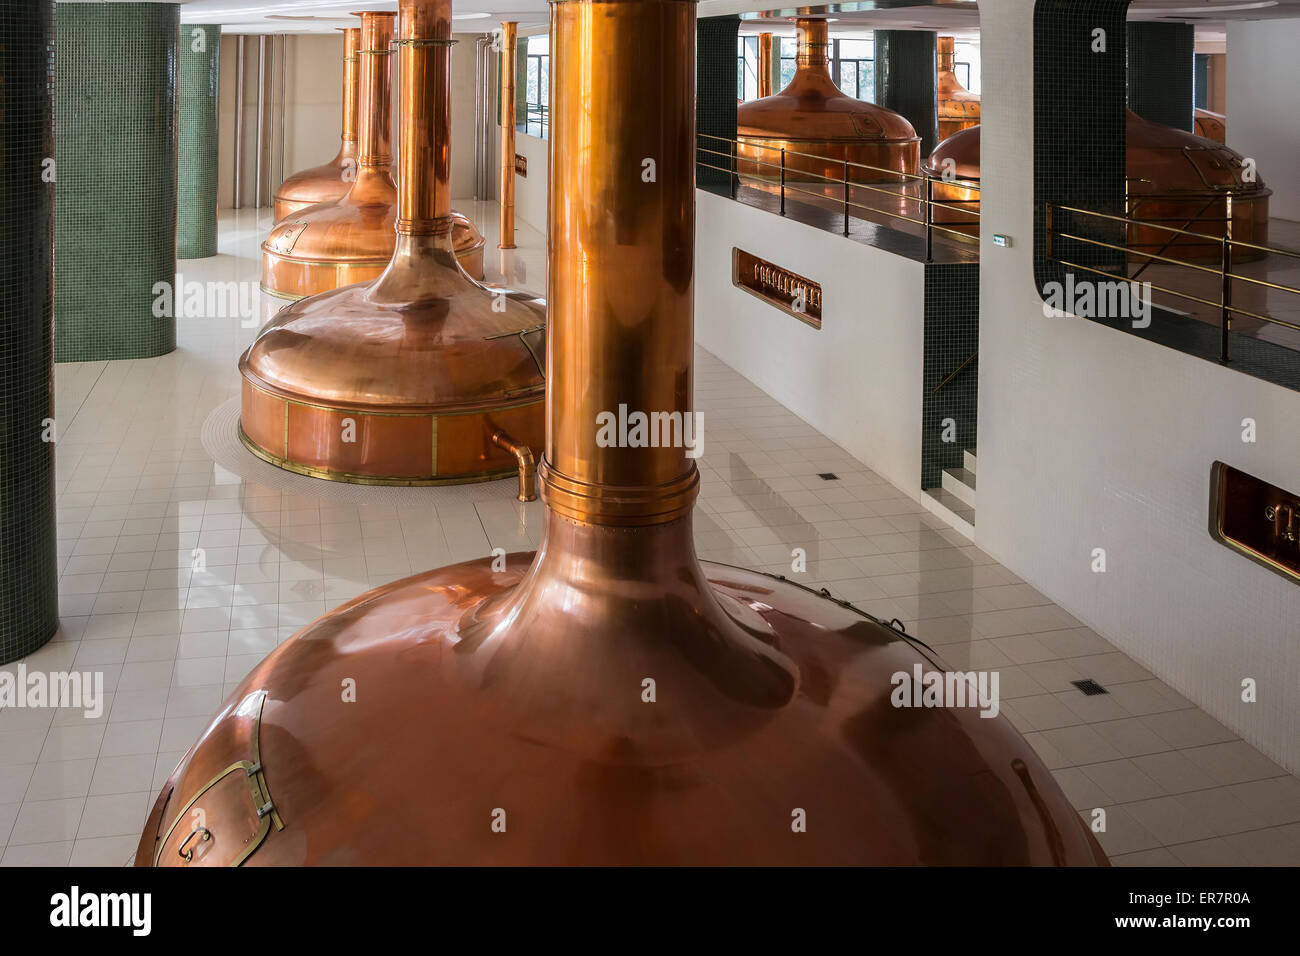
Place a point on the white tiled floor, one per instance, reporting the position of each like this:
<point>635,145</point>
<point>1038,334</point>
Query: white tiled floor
<point>138,494</point>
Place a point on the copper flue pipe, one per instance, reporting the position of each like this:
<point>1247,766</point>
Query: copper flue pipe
<point>424,170</point>
<point>814,45</point>
<point>527,467</point>
<point>764,65</point>
<point>375,109</point>
<point>509,66</point>
<point>621,240</point>
<point>351,83</point>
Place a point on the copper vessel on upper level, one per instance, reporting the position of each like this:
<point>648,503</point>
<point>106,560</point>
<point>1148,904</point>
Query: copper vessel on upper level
<point>351,239</point>
<point>820,128</point>
<point>958,107</point>
<point>1211,125</point>
<point>1174,179</point>
<point>421,376</point>
<point>332,180</point>
<point>609,699</point>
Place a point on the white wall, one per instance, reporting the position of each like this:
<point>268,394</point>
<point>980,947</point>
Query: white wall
<point>1263,89</point>
<point>1091,438</point>
<point>858,378</point>
<point>530,192</point>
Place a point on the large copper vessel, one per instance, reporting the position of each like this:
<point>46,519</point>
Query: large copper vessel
<point>332,180</point>
<point>351,239</point>
<point>820,128</point>
<point>609,699</point>
<point>440,377</point>
<point>1174,179</point>
<point>958,107</point>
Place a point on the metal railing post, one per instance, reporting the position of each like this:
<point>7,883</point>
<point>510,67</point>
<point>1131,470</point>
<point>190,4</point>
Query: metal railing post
<point>846,197</point>
<point>783,180</point>
<point>735,168</point>
<point>929,219</point>
<point>1225,294</point>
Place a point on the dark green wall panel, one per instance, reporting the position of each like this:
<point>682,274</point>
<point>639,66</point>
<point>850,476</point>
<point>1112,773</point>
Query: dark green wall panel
<point>196,198</point>
<point>907,80</point>
<point>115,205</point>
<point>29,600</point>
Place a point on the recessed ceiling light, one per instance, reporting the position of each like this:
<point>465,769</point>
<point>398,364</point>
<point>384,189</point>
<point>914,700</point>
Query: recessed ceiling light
<point>470,16</point>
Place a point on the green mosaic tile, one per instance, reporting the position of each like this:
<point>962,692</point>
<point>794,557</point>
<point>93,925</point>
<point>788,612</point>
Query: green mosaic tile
<point>29,601</point>
<point>115,204</point>
<point>196,173</point>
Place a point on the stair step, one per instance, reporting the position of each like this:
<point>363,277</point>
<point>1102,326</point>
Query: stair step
<point>960,482</point>
<point>969,454</point>
<point>951,509</point>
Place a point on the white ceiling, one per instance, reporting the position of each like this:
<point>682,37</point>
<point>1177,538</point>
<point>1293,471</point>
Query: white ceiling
<point>951,16</point>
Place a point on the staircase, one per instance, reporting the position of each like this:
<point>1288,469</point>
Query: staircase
<point>954,501</point>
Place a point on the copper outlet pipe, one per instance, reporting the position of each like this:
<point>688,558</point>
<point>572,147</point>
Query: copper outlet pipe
<point>765,64</point>
<point>509,67</point>
<point>527,467</point>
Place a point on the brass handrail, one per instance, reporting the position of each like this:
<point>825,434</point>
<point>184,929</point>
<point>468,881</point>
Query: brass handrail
<point>1223,271</point>
<point>901,189</point>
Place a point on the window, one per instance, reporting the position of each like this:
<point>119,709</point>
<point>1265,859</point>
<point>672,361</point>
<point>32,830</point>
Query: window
<point>537,87</point>
<point>856,73</point>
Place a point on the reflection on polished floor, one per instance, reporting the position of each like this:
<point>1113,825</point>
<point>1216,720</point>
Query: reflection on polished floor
<point>138,494</point>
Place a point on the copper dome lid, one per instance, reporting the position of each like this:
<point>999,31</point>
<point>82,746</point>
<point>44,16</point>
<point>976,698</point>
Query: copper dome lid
<point>333,179</point>
<point>351,239</point>
<point>610,699</point>
<point>811,109</point>
<point>959,154</point>
<point>427,364</point>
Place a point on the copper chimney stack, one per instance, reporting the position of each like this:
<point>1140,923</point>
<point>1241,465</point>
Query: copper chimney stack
<point>350,239</point>
<point>819,129</point>
<point>958,107</point>
<point>509,29</point>
<point>765,65</point>
<point>439,377</point>
<point>610,699</point>
<point>334,179</point>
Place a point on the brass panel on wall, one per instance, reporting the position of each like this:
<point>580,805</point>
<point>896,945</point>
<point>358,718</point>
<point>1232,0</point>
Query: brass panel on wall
<point>1256,519</point>
<point>788,291</point>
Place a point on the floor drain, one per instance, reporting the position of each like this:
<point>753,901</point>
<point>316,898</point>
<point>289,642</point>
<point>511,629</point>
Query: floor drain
<point>1089,687</point>
<point>828,476</point>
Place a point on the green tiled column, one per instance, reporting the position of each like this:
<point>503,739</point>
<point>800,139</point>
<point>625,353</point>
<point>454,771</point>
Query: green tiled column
<point>115,206</point>
<point>196,197</point>
<point>29,602</point>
